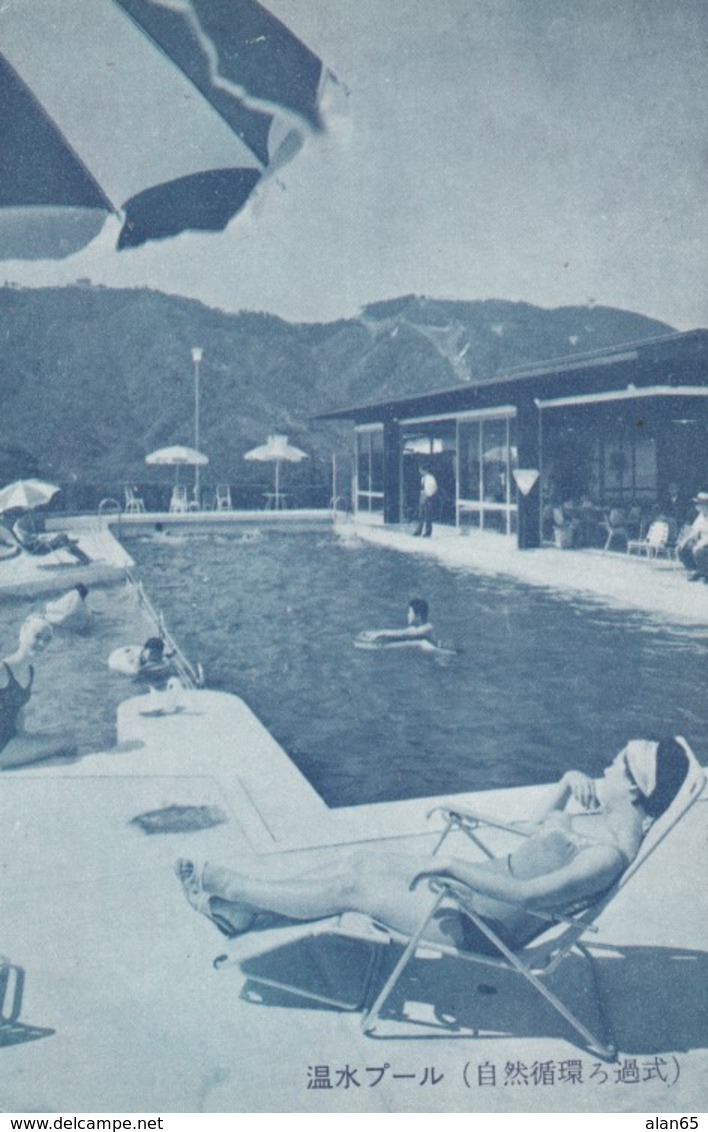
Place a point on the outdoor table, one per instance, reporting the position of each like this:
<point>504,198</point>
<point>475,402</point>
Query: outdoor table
<point>275,500</point>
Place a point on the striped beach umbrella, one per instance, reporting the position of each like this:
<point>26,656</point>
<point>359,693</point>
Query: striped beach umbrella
<point>168,113</point>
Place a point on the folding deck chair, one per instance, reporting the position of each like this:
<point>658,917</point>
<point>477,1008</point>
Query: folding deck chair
<point>559,935</point>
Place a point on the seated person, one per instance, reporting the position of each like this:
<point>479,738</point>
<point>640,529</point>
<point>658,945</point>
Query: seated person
<point>32,536</point>
<point>564,863</point>
<point>17,746</point>
<point>692,546</point>
<point>71,611</point>
<point>418,628</point>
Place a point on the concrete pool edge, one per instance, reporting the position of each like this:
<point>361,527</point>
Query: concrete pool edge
<point>654,587</point>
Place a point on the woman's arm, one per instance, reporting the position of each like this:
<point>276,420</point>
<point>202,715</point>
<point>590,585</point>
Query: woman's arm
<point>587,874</point>
<point>407,633</point>
<point>574,784</point>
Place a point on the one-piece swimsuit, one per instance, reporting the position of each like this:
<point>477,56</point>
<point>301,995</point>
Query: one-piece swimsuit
<point>13,698</point>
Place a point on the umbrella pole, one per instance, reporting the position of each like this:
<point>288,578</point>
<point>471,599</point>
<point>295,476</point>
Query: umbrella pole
<point>277,485</point>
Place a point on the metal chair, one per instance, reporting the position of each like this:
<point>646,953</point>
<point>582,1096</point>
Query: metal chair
<point>615,523</point>
<point>654,543</point>
<point>179,503</point>
<point>134,504</point>
<point>223,497</point>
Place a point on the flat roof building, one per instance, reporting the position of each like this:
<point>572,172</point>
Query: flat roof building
<point>622,430</point>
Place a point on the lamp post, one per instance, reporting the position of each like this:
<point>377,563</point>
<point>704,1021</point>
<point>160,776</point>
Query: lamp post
<point>197,355</point>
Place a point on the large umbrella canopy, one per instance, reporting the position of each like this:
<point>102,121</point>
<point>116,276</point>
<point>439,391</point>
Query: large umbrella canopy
<point>177,456</point>
<point>169,112</point>
<point>275,450</point>
<point>26,494</point>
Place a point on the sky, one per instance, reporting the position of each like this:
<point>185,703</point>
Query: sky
<point>546,151</point>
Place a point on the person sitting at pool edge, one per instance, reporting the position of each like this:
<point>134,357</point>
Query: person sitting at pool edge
<point>566,862</point>
<point>30,532</point>
<point>692,547</point>
<point>418,628</point>
<point>17,746</point>
<point>154,663</point>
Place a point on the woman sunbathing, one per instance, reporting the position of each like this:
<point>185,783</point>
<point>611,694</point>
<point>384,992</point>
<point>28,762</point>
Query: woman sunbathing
<point>564,862</point>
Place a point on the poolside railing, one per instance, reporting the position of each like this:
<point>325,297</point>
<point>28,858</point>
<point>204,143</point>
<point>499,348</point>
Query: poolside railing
<point>191,675</point>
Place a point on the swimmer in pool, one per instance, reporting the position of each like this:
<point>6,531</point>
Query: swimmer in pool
<point>565,861</point>
<point>17,746</point>
<point>418,628</point>
<point>71,611</point>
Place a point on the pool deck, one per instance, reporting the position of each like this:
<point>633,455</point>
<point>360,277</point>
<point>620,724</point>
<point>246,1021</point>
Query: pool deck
<point>119,968</point>
<point>658,587</point>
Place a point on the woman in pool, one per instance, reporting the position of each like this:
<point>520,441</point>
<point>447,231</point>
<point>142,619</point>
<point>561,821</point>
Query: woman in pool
<point>565,862</point>
<point>18,747</point>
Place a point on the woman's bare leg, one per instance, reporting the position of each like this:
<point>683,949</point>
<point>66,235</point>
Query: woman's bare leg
<point>377,887</point>
<point>24,749</point>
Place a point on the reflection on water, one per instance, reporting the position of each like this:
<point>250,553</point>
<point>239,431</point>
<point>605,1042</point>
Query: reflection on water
<point>542,682</point>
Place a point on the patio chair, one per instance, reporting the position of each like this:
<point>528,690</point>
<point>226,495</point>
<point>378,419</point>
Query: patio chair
<point>179,502</point>
<point>223,497</point>
<point>615,524</point>
<point>558,937</point>
<point>134,504</point>
<point>654,543</point>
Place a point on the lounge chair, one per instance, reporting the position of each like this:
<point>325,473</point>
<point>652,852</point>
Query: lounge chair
<point>654,543</point>
<point>134,504</point>
<point>9,546</point>
<point>558,937</point>
<point>32,538</point>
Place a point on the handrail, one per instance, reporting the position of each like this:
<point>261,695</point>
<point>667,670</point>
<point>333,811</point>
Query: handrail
<point>193,677</point>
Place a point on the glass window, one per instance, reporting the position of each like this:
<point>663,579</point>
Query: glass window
<point>468,449</point>
<point>376,462</point>
<point>370,470</point>
<point>363,461</point>
<point>495,461</point>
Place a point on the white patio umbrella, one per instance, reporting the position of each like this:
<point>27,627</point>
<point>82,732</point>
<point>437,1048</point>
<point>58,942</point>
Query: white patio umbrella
<point>26,494</point>
<point>177,456</point>
<point>275,450</point>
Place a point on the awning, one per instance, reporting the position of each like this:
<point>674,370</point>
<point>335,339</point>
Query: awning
<point>630,393</point>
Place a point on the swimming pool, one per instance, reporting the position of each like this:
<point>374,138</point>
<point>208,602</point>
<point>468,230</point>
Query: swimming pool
<point>543,682</point>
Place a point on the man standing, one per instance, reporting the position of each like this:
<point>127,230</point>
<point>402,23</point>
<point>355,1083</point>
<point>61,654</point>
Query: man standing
<point>428,491</point>
<point>693,547</point>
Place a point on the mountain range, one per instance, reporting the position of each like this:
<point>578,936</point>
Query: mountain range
<point>94,378</point>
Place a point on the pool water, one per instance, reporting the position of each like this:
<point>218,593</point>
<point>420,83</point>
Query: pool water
<point>542,683</point>
<point>74,689</point>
